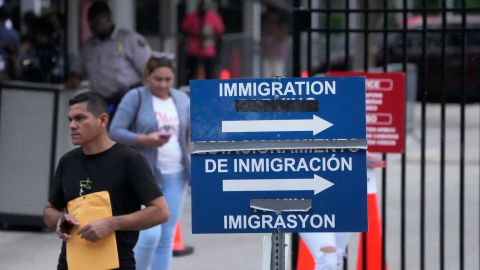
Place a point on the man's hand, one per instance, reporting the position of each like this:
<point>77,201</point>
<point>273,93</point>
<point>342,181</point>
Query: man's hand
<point>96,230</point>
<point>64,224</point>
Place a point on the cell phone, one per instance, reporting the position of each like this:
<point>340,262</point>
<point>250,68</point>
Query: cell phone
<point>65,226</point>
<point>165,132</point>
<point>165,136</point>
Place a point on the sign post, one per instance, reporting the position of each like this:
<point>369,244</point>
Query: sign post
<point>277,256</point>
<point>278,155</point>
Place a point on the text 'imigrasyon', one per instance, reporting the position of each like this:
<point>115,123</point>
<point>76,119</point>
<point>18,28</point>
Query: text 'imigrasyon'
<point>291,221</point>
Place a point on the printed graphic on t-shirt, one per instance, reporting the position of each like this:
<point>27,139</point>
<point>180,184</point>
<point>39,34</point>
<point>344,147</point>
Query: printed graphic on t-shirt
<point>167,122</point>
<point>85,184</point>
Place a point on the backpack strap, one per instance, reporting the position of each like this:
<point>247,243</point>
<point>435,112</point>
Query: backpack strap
<point>137,109</point>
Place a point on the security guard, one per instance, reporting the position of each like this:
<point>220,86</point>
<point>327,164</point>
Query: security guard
<point>113,60</point>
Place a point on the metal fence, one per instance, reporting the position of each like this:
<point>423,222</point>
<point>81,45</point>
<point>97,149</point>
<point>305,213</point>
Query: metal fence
<point>430,193</point>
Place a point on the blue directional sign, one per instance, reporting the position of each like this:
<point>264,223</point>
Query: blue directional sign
<point>278,109</point>
<point>334,180</point>
<point>231,115</point>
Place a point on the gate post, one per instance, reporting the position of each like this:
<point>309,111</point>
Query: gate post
<point>301,22</point>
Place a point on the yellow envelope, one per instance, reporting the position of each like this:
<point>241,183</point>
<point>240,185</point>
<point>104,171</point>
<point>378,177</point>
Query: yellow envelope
<point>82,254</point>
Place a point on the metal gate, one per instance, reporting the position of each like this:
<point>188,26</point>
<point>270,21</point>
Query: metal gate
<point>429,195</point>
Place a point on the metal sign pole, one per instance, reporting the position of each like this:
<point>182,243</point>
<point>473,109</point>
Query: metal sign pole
<point>277,259</point>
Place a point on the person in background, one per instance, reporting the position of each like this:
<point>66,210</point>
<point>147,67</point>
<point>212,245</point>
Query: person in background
<point>100,165</point>
<point>41,59</point>
<point>28,21</point>
<point>9,46</point>
<point>154,119</point>
<point>327,249</point>
<point>274,44</point>
<point>112,59</point>
<point>203,28</point>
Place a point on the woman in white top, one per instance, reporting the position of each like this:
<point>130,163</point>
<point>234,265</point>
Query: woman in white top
<point>154,119</point>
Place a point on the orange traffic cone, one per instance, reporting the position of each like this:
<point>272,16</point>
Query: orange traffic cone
<point>179,249</point>
<point>374,235</point>
<point>305,259</point>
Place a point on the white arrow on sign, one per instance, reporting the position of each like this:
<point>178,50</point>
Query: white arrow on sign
<point>317,184</point>
<point>316,125</point>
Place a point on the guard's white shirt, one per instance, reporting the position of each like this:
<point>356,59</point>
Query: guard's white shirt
<point>169,159</point>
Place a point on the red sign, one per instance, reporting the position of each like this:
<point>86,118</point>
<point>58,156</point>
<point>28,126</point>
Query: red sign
<point>385,105</point>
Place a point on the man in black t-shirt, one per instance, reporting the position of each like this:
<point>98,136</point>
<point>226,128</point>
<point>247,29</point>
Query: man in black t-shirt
<point>101,165</point>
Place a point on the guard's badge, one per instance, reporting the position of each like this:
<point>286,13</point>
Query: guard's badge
<point>119,47</point>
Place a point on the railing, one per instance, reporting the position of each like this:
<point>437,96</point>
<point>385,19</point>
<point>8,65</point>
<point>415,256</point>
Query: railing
<point>430,193</point>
